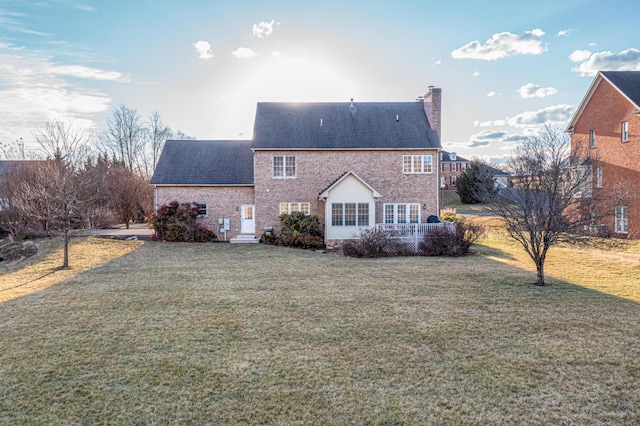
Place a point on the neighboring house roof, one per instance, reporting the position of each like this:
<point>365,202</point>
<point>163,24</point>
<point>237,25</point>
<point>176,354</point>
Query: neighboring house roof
<point>446,158</point>
<point>343,125</point>
<point>625,82</point>
<point>197,162</point>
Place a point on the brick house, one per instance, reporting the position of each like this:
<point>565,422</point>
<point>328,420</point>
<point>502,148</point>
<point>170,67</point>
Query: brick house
<point>451,167</point>
<point>607,125</point>
<point>354,165</point>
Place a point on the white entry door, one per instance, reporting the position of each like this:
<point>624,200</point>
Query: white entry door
<point>248,219</point>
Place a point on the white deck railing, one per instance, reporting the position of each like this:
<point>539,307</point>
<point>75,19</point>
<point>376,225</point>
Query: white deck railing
<point>413,233</point>
<point>413,229</point>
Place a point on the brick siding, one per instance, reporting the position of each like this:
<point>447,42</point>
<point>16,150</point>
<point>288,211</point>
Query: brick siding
<point>620,162</point>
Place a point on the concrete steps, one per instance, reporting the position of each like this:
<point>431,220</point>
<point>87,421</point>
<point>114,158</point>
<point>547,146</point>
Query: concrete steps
<point>244,239</point>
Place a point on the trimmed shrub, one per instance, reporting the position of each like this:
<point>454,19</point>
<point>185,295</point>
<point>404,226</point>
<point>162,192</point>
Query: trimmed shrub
<point>445,242</point>
<point>297,230</point>
<point>449,217</point>
<point>177,222</point>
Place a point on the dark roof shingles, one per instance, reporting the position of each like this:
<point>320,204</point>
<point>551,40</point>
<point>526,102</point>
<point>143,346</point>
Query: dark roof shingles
<point>198,162</point>
<point>374,125</point>
<point>627,81</point>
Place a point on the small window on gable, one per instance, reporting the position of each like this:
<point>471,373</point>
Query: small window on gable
<point>592,138</point>
<point>202,209</point>
<point>625,131</point>
<point>599,177</point>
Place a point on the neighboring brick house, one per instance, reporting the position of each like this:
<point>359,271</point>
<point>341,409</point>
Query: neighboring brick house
<point>353,165</point>
<point>607,126</point>
<point>451,168</point>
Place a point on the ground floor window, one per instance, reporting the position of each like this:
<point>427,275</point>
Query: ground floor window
<point>288,208</point>
<point>622,219</point>
<point>350,214</point>
<point>202,209</point>
<point>402,213</point>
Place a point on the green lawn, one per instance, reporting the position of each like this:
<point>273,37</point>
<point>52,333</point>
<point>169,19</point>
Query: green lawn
<point>237,334</point>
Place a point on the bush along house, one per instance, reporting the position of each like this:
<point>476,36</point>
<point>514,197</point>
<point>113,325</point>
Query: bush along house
<point>606,125</point>
<point>354,165</point>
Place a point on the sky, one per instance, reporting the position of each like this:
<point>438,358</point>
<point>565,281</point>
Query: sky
<point>505,68</point>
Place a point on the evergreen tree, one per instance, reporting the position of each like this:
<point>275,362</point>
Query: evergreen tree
<point>476,180</point>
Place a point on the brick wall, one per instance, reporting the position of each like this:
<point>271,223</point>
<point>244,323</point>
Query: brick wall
<point>604,113</point>
<point>316,170</point>
<point>222,202</point>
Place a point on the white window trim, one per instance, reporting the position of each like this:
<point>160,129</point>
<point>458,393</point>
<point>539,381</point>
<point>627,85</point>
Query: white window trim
<point>423,165</point>
<point>357,215</point>
<point>622,220</point>
<point>592,138</point>
<point>292,207</point>
<point>407,207</point>
<point>206,211</point>
<point>285,160</point>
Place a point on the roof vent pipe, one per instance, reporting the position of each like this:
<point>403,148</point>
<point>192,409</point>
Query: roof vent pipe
<point>352,108</point>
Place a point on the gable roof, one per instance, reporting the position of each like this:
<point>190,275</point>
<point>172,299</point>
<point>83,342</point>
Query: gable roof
<point>197,162</point>
<point>325,193</point>
<point>343,125</point>
<point>625,82</point>
<point>446,157</point>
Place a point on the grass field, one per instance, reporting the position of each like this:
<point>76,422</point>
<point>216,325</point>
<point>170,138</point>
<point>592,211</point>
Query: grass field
<point>254,334</point>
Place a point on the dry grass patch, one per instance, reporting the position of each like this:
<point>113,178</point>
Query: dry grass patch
<point>42,270</point>
<point>246,334</point>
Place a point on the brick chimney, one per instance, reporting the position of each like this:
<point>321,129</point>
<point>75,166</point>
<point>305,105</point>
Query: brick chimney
<point>433,108</point>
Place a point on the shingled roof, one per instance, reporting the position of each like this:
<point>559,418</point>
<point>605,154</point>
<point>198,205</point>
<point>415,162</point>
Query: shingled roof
<point>344,125</point>
<point>197,162</point>
<point>628,82</point>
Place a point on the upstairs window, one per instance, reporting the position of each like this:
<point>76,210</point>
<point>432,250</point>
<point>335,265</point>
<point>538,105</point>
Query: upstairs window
<point>625,131</point>
<point>592,138</point>
<point>453,167</point>
<point>283,166</point>
<point>412,164</point>
<point>463,166</point>
<point>202,209</point>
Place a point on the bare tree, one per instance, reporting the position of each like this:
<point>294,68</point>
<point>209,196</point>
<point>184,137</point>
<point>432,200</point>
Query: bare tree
<point>124,137</point>
<point>551,200</point>
<point>129,193</point>
<point>53,191</point>
<point>157,134</point>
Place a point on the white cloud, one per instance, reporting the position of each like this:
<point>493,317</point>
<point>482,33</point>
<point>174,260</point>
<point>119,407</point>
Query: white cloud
<point>553,115</point>
<point>81,71</point>
<point>243,53</point>
<point>276,54</point>
<point>438,62</point>
<point>493,94</point>
<point>476,73</point>
<point>34,90</point>
<point>204,49</point>
<point>502,45</point>
<point>263,29</point>
<point>627,60</point>
<point>579,55</point>
<point>565,33</point>
<point>534,91</point>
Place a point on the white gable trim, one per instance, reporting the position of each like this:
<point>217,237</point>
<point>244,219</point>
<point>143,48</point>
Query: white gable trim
<point>325,194</point>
